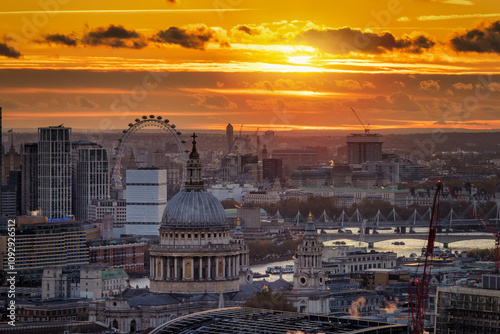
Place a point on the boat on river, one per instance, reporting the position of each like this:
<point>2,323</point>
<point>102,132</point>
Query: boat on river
<point>288,269</point>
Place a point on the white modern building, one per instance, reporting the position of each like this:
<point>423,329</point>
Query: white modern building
<point>146,200</point>
<point>91,176</point>
<point>345,260</point>
<point>54,171</point>
<point>233,191</point>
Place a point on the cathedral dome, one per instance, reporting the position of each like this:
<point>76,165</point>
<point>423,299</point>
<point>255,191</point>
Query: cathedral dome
<point>193,210</point>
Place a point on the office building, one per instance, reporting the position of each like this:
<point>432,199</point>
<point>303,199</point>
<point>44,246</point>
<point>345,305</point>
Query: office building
<point>29,179</point>
<point>269,140</point>
<point>293,159</point>
<point>461,309</point>
<point>11,194</point>
<point>146,200</point>
<point>115,211</point>
<point>54,171</point>
<point>364,147</point>
<point>229,137</point>
<point>90,177</point>
<point>40,243</point>
<point>11,160</point>
<point>272,169</point>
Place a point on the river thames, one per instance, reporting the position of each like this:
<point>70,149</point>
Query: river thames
<point>411,246</point>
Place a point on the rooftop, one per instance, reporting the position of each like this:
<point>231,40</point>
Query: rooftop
<point>246,320</point>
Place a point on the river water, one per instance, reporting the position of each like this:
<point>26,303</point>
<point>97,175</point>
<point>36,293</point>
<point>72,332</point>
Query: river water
<point>411,246</point>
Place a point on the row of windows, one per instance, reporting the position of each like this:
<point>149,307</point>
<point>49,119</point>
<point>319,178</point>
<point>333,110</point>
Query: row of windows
<point>195,235</point>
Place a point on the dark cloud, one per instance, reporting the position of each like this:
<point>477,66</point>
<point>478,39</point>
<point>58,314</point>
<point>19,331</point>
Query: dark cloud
<point>67,40</point>
<point>9,51</point>
<point>214,102</point>
<point>247,30</point>
<point>481,39</point>
<point>116,37</point>
<point>191,38</point>
<point>346,39</point>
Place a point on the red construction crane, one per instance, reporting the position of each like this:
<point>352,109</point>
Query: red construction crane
<point>485,224</point>
<point>419,289</point>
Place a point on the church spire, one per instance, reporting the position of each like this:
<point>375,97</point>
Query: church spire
<point>194,181</point>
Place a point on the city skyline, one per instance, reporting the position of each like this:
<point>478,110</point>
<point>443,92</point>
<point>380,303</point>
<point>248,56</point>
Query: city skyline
<point>410,65</point>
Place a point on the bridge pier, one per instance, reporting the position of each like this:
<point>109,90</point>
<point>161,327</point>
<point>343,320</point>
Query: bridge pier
<point>370,245</point>
<point>445,245</point>
<point>367,230</point>
<point>412,230</point>
<point>439,229</point>
<point>403,230</point>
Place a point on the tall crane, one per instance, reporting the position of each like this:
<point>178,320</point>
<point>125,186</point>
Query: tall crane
<point>486,224</point>
<point>365,127</point>
<point>419,289</point>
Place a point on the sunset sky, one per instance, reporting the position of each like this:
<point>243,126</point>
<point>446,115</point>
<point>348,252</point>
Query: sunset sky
<point>406,64</point>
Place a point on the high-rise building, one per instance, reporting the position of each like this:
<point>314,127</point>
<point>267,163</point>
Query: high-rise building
<point>90,177</point>
<point>229,136</point>
<point>11,159</point>
<point>269,140</point>
<point>293,159</point>
<point>11,194</point>
<point>364,147</point>
<point>272,169</point>
<point>146,200</point>
<point>54,171</point>
<point>29,179</point>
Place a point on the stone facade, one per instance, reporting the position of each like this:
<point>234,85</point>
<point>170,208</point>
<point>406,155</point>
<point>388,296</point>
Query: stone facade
<point>310,293</point>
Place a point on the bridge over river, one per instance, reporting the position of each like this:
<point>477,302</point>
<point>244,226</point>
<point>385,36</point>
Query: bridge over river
<point>451,221</point>
<point>371,239</point>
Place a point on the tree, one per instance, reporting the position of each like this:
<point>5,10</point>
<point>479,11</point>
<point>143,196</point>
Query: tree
<point>270,300</point>
<point>229,203</point>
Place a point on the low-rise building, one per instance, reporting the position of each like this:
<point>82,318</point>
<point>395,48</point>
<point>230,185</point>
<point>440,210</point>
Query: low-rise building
<point>126,253</point>
<point>344,259</point>
<point>232,191</point>
<point>97,282</point>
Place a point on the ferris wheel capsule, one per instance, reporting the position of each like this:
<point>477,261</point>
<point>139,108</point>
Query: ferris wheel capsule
<point>172,126</point>
<point>166,120</point>
<point>183,141</point>
<point>159,117</point>
<point>179,133</point>
<point>144,117</point>
<point>124,131</point>
<point>151,116</point>
<point>137,120</point>
<point>130,124</point>
<point>187,151</point>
